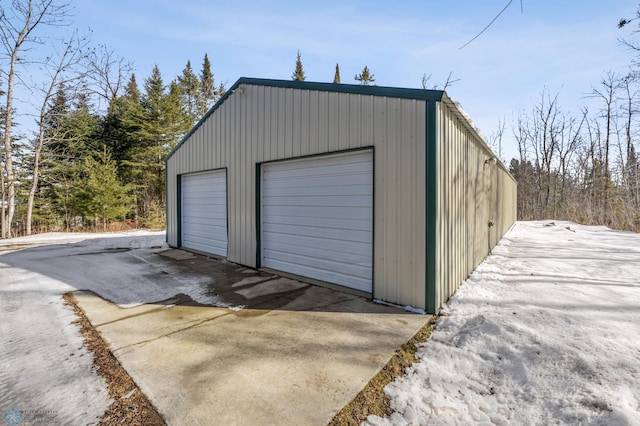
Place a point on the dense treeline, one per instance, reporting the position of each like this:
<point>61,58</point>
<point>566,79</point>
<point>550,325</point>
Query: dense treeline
<point>96,157</point>
<point>97,168</point>
<point>87,169</point>
<point>582,166</point>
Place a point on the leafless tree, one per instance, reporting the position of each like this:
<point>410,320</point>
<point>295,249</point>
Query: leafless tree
<point>495,139</point>
<point>606,92</point>
<point>18,22</point>
<point>63,69</point>
<point>108,74</point>
<point>448,83</point>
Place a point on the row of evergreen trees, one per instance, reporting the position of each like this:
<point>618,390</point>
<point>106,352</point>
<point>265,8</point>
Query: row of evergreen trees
<point>105,170</point>
<point>365,77</point>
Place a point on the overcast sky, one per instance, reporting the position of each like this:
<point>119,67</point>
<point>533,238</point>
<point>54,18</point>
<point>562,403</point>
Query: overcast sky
<point>565,45</point>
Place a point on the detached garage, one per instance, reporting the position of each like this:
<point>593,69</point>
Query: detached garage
<point>381,190</point>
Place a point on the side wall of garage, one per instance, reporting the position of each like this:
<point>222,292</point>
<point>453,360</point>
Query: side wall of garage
<point>260,123</point>
<point>472,190</point>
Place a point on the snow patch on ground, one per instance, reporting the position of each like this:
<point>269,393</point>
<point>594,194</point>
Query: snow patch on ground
<point>545,331</point>
<point>44,369</point>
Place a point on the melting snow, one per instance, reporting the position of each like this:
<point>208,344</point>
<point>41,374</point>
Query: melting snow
<point>545,331</point>
<point>46,375</point>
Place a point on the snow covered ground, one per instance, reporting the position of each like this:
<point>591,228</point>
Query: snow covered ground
<point>545,331</point>
<point>46,375</point>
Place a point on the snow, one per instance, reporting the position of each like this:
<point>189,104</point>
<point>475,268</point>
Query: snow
<point>407,308</point>
<point>545,331</point>
<point>45,372</point>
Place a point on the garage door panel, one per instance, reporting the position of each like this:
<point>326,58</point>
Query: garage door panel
<point>319,182</point>
<point>331,165</point>
<point>203,198</point>
<point>316,247</point>
<point>321,201</point>
<point>317,218</point>
<point>362,235</point>
<point>212,216</point>
<point>344,266</point>
<point>338,223</point>
<point>355,282</point>
<point>334,212</point>
<point>297,190</point>
<point>208,230</point>
<point>204,212</point>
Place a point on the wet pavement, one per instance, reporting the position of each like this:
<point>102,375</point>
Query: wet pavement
<point>249,347</point>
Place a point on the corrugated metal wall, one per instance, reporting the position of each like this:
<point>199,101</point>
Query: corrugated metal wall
<point>470,193</point>
<point>262,123</point>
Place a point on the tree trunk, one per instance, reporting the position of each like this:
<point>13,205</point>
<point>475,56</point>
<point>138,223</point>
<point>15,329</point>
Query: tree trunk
<point>34,182</point>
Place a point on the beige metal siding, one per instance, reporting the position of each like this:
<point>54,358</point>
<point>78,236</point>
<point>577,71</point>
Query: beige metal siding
<point>470,193</point>
<point>261,123</point>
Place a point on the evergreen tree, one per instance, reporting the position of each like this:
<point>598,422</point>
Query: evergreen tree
<point>177,121</point>
<point>147,157</point>
<point>208,93</point>
<point>120,128</point>
<point>132,91</point>
<point>336,77</point>
<point>190,89</point>
<point>103,196</point>
<point>365,78</point>
<point>298,74</point>
<point>74,137</point>
<point>59,108</point>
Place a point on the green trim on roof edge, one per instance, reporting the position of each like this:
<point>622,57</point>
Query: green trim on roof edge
<point>391,92</point>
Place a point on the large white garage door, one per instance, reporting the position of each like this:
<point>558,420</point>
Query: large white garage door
<point>204,212</point>
<point>317,218</point>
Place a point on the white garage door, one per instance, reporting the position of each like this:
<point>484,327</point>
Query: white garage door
<point>317,218</point>
<point>204,212</point>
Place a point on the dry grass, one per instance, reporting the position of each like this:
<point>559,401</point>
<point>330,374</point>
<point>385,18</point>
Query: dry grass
<point>130,406</point>
<point>372,400</point>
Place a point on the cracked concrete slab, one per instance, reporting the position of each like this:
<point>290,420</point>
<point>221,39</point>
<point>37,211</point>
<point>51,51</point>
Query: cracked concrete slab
<point>295,355</point>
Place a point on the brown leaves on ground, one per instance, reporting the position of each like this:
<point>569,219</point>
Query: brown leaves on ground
<point>130,406</point>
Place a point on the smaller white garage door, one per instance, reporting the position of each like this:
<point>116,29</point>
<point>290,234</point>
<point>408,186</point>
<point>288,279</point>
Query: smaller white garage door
<point>204,212</point>
<point>317,218</point>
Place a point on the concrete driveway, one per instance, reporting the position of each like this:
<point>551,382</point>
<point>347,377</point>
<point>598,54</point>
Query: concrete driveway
<point>283,352</point>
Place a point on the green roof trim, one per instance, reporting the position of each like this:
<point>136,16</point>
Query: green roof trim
<point>390,92</point>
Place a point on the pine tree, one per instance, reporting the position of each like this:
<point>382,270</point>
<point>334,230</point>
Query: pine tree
<point>365,78</point>
<point>208,93</point>
<point>298,74</point>
<point>189,87</point>
<point>336,77</point>
<point>74,137</point>
<point>58,109</point>
<point>177,120</point>
<point>121,127</point>
<point>103,196</point>
<point>132,91</point>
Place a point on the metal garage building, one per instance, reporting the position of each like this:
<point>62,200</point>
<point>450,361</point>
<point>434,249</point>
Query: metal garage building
<point>387,191</point>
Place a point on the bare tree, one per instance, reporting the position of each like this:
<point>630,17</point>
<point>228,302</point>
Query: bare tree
<point>495,139</point>
<point>607,92</point>
<point>18,20</point>
<point>60,67</point>
<point>109,73</point>
<point>448,83</point>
